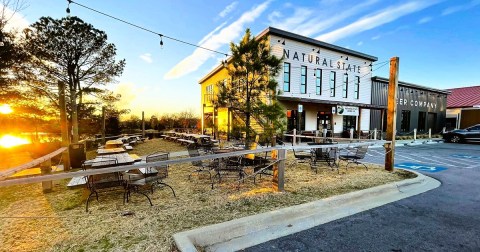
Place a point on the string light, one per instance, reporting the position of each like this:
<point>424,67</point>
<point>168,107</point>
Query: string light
<point>68,7</point>
<point>141,28</point>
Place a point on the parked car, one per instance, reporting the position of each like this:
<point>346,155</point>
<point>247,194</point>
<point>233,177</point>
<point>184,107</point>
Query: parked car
<point>470,134</point>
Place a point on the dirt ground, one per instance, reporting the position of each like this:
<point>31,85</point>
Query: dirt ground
<point>33,221</point>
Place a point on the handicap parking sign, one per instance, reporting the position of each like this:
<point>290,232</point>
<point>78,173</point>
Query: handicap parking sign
<point>465,156</point>
<point>420,167</point>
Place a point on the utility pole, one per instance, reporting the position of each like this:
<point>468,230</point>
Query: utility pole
<point>63,125</point>
<point>392,114</point>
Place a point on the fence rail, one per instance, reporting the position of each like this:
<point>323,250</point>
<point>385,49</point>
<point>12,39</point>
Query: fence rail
<point>58,176</point>
<point>34,163</point>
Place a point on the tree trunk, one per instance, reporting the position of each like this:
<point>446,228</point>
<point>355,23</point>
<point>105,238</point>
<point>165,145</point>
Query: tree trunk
<point>73,101</point>
<point>247,118</point>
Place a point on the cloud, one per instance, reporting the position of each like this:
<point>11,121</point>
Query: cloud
<point>192,62</point>
<point>367,23</point>
<point>457,8</point>
<point>15,21</point>
<point>299,16</point>
<point>308,22</point>
<point>147,57</point>
<point>228,9</point>
<point>376,37</point>
<point>209,35</point>
<point>360,43</point>
<point>425,20</point>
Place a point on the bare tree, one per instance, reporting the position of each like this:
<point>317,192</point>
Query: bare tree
<point>8,8</point>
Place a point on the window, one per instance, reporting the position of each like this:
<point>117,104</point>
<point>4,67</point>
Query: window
<point>405,122</point>
<point>356,87</point>
<point>208,94</point>
<point>332,83</point>
<point>303,80</point>
<point>286,77</point>
<point>318,81</point>
<point>422,117</point>
<point>345,86</point>
<point>349,122</point>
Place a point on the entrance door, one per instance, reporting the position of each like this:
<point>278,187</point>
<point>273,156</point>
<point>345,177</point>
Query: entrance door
<point>323,121</point>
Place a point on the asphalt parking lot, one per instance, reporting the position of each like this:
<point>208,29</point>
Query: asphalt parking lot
<point>444,219</point>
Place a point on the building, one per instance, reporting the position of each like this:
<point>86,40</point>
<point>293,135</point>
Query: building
<point>418,107</point>
<point>321,86</point>
<point>463,107</point>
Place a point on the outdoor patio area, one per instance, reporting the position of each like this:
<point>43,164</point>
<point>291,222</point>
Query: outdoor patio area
<point>56,221</point>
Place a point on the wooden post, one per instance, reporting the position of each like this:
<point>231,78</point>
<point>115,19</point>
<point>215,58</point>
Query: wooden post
<point>375,133</point>
<point>392,114</point>
<point>103,126</point>
<point>46,168</point>
<point>294,139</point>
<point>430,134</point>
<point>381,129</point>
<point>278,182</point>
<point>351,133</point>
<point>143,125</point>
<point>415,134</point>
<point>63,125</point>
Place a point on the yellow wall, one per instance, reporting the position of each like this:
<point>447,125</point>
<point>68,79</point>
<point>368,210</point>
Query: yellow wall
<point>221,116</point>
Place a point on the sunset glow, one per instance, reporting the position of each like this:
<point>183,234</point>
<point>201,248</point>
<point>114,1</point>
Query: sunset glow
<point>5,109</point>
<point>8,141</point>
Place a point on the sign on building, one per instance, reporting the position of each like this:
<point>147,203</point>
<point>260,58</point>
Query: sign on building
<point>347,110</point>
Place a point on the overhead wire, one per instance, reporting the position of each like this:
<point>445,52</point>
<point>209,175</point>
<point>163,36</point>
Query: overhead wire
<point>145,29</point>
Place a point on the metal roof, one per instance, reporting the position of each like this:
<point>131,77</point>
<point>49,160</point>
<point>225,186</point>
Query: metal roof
<point>406,84</point>
<point>303,39</point>
<point>464,97</point>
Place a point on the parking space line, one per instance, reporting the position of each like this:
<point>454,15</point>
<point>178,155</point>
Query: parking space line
<point>432,160</point>
<point>464,160</point>
<point>455,161</point>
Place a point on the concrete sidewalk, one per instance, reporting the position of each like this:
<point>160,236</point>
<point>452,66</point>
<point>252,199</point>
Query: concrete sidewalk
<point>252,230</point>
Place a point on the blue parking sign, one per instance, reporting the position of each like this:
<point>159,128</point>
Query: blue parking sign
<point>420,167</point>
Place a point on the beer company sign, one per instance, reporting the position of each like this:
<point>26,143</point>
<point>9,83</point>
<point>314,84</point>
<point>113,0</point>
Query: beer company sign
<point>416,103</point>
<point>347,110</point>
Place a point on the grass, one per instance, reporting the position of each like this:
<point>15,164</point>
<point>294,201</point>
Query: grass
<point>57,221</point>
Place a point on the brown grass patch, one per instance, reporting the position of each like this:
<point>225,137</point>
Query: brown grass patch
<point>69,228</point>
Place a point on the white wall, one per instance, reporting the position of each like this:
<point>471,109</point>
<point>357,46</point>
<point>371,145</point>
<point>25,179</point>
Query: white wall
<point>305,52</point>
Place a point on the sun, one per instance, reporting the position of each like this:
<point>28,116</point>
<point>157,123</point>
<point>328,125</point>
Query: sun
<point>5,109</point>
<point>8,141</point>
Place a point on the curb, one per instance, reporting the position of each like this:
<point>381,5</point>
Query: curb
<point>248,231</point>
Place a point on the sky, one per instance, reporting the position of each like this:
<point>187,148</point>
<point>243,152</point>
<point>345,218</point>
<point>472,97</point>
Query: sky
<point>437,41</point>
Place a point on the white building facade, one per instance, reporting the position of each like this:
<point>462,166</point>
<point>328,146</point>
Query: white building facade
<point>322,86</point>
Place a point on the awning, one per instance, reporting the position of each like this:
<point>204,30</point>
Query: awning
<point>320,101</point>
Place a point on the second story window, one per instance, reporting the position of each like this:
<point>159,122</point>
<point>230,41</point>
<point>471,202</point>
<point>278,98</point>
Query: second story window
<point>356,88</point>
<point>286,77</point>
<point>332,83</point>
<point>345,86</point>
<point>209,93</point>
<point>318,81</point>
<point>303,80</point>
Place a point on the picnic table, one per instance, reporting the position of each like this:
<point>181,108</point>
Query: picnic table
<point>110,151</point>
